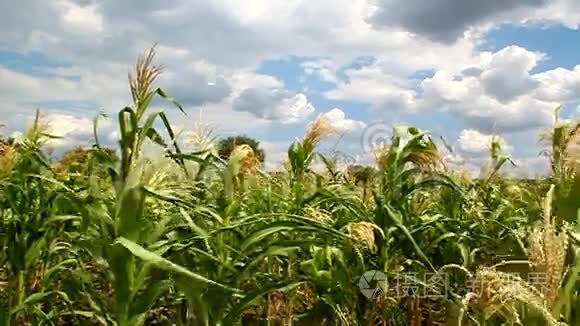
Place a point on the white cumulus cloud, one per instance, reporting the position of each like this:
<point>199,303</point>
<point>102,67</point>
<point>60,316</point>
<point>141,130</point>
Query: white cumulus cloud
<point>274,104</point>
<point>475,142</point>
<point>341,124</point>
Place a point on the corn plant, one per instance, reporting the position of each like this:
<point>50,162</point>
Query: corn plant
<point>124,236</point>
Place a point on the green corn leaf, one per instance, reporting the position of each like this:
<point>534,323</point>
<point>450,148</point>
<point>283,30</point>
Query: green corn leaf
<point>260,235</point>
<point>63,218</point>
<point>34,252</point>
<point>96,127</point>
<point>63,265</point>
<point>442,237</point>
<point>194,227</point>
<point>397,222</point>
<point>155,137</point>
<point>128,218</point>
<point>254,297</point>
<point>31,300</point>
<point>164,264</point>
<point>169,98</point>
<point>173,137</point>
<point>147,298</point>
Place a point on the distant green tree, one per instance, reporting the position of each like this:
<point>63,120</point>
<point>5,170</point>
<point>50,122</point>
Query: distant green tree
<point>78,163</point>
<point>363,176</point>
<point>74,161</point>
<point>227,145</point>
<point>7,141</point>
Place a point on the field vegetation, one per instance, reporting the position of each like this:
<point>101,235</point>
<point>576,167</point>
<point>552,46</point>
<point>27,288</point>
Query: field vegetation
<point>114,236</point>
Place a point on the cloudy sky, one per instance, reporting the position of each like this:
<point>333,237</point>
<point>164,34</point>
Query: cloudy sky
<point>463,69</point>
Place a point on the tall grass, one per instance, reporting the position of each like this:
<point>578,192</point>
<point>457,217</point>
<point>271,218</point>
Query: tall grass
<point>118,237</point>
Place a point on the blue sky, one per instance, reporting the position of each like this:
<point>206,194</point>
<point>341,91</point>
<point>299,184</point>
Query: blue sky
<point>464,70</point>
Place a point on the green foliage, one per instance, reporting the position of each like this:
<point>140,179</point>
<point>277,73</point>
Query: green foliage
<point>195,238</point>
<point>226,146</point>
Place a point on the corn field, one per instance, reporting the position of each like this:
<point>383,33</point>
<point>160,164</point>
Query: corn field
<point>113,236</point>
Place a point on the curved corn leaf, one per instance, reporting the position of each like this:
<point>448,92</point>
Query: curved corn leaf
<point>254,297</point>
<point>164,264</point>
